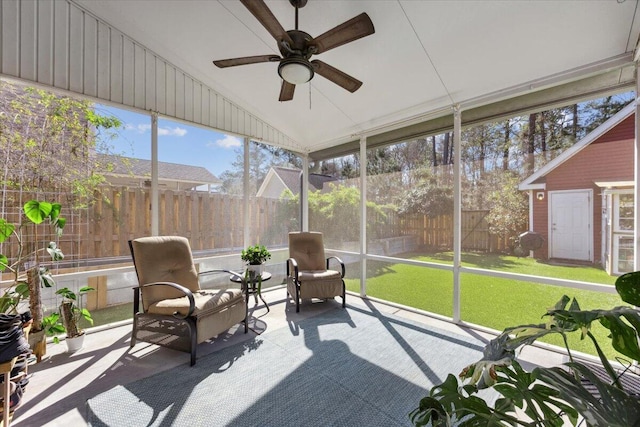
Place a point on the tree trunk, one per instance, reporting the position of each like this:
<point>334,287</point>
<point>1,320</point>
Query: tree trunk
<point>507,144</point>
<point>445,149</point>
<point>531,143</point>
<point>450,148</point>
<point>575,123</point>
<point>483,152</point>
<point>543,136</point>
<point>434,151</point>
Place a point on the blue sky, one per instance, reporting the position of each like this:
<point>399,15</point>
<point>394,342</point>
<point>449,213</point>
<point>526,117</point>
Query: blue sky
<point>177,142</point>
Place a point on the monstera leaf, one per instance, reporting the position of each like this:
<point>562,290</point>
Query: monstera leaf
<point>628,287</point>
<point>38,211</point>
<point>612,408</point>
<point>6,229</point>
<point>452,404</point>
<point>545,396</point>
<point>55,252</point>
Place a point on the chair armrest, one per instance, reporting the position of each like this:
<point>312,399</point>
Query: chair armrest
<point>187,292</point>
<point>291,262</point>
<point>340,261</point>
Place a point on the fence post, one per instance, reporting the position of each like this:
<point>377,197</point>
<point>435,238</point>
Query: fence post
<point>98,298</point>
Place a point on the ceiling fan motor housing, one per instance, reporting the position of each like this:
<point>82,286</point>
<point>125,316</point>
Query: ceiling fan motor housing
<point>298,3</point>
<point>300,47</point>
<point>294,66</point>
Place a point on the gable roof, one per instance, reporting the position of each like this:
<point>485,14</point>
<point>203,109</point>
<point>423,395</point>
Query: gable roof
<point>318,180</point>
<point>290,179</point>
<point>530,182</point>
<point>141,168</point>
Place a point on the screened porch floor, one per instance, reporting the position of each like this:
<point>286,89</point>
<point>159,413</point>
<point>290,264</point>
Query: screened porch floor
<point>60,385</point>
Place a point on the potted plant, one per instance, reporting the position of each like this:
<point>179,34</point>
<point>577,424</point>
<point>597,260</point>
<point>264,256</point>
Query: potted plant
<point>548,396</point>
<point>255,256</point>
<point>28,275</point>
<point>68,317</point>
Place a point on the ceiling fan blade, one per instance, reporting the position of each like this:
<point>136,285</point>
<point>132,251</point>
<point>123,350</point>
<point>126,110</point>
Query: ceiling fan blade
<point>286,91</point>
<point>223,63</point>
<point>353,29</point>
<point>259,9</point>
<point>338,77</point>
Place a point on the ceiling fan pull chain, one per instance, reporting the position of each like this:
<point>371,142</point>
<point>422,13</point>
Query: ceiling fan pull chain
<point>309,96</point>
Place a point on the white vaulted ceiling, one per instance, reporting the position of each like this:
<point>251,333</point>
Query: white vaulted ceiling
<point>424,57</point>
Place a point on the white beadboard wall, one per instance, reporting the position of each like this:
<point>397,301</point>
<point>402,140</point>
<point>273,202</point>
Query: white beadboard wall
<point>58,44</point>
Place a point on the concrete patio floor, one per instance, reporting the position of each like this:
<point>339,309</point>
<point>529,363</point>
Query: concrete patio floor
<point>60,385</point>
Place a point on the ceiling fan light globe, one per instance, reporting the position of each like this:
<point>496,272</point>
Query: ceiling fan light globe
<point>295,72</point>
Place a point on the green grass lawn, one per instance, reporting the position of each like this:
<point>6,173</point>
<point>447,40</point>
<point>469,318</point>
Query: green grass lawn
<point>488,301</point>
<point>112,314</point>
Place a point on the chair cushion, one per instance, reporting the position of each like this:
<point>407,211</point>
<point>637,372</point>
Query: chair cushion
<point>317,288</point>
<point>307,249</point>
<point>206,302</point>
<point>316,275</point>
<point>164,259</point>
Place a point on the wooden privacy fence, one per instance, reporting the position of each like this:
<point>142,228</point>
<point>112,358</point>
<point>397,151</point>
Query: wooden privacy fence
<point>437,232</point>
<point>209,220</point>
<point>214,222</point>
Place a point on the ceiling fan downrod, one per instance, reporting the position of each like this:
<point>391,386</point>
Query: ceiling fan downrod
<point>297,4</point>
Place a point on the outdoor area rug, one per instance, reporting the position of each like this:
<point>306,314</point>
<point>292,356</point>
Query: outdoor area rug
<point>344,367</point>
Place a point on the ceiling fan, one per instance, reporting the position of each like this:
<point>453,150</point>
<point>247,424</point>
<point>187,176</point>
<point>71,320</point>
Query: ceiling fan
<point>296,47</point>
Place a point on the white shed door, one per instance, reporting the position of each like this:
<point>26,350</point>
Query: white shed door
<point>570,225</point>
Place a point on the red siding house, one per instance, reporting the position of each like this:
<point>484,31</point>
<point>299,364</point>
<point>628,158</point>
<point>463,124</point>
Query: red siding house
<point>581,202</point>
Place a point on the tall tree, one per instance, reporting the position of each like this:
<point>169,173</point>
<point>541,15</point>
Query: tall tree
<point>261,159</point>
<point>48,143</point>
<point>603,109</point>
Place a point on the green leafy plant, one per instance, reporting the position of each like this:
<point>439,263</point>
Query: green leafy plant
<point>27,273</point>
<point>255,255</point>
<point>68,317</point>
<point>546,396</point>
<point>52,326</point>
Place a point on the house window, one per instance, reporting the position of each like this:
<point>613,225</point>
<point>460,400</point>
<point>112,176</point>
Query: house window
<point>622,233</point>
<point>624,208</point>
<point>623,250</point>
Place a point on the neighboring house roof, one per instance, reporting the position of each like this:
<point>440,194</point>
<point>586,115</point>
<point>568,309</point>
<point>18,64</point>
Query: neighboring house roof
<point>289,179</point>
<point>318,181</point>
<point>141,169</point>
<point>531,184</point>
